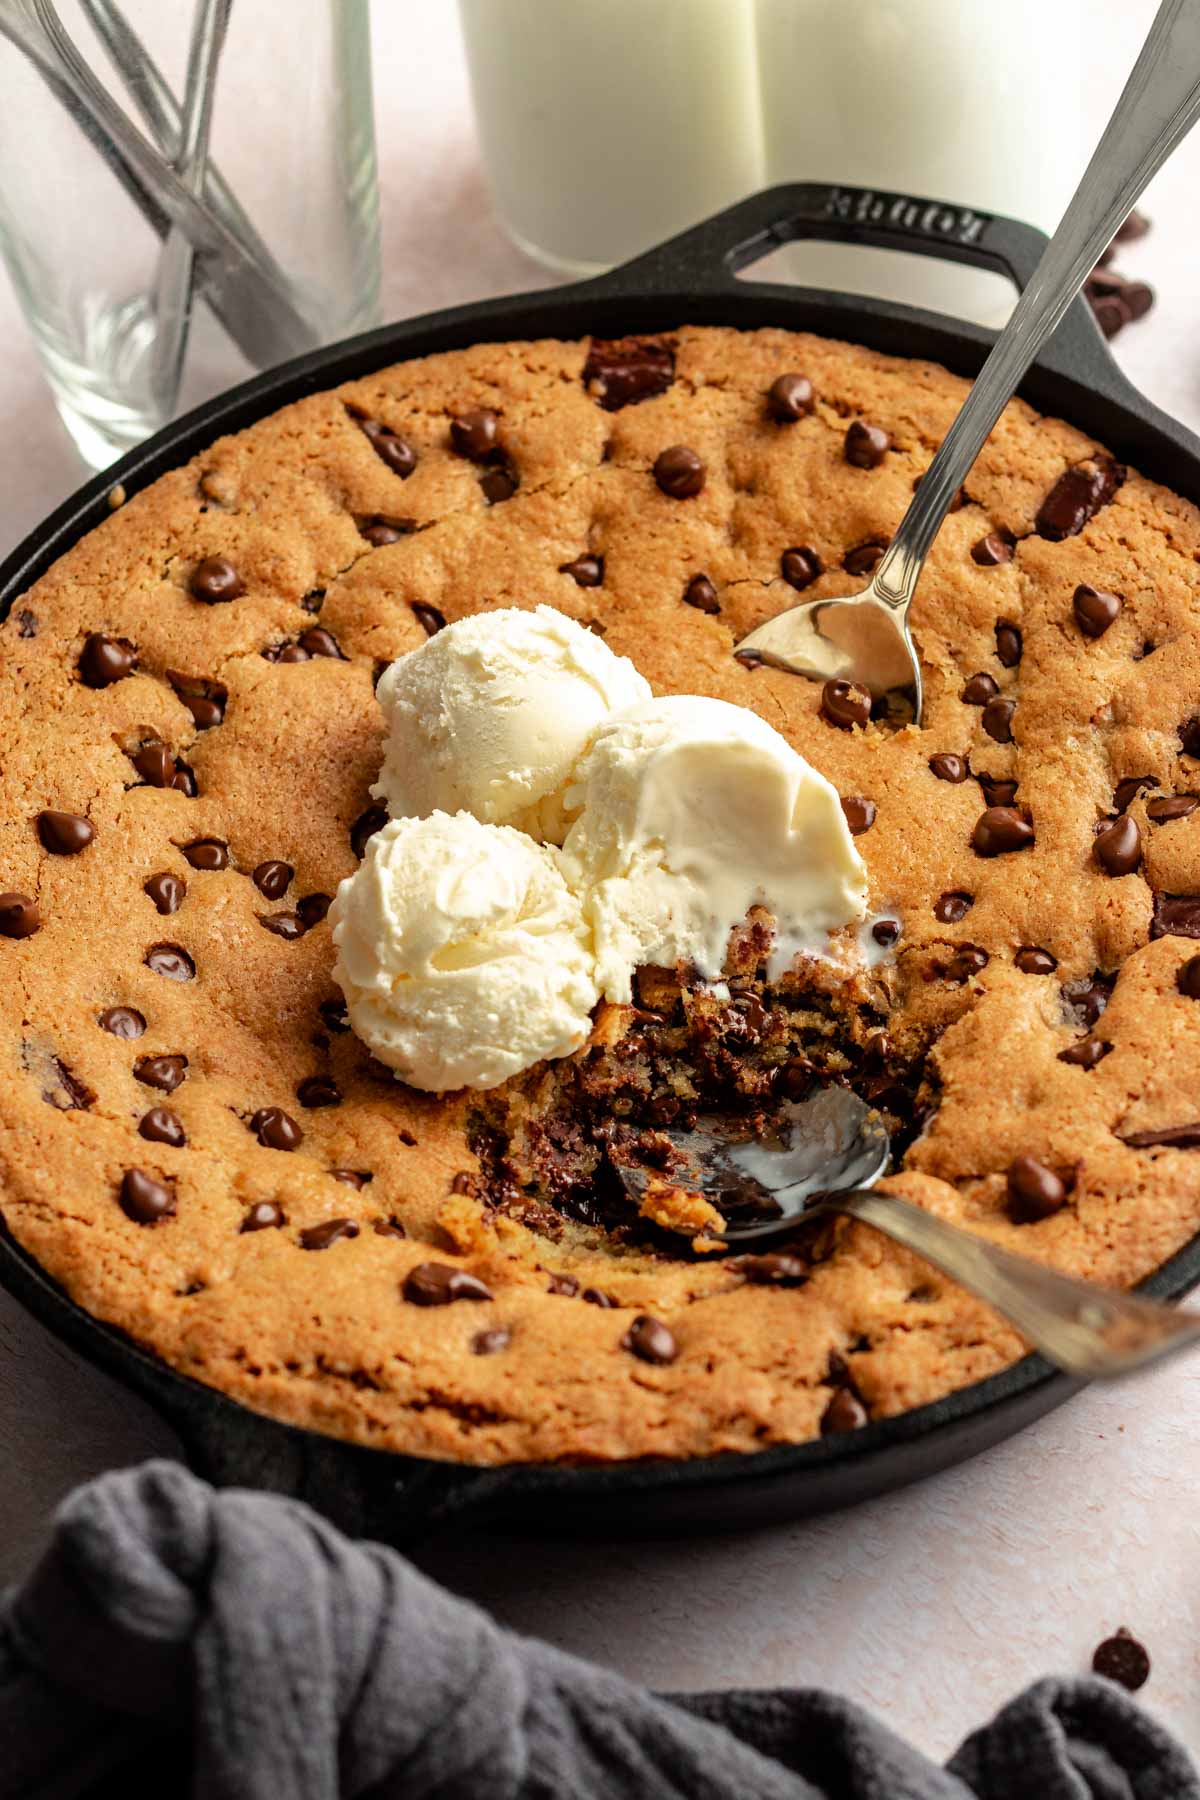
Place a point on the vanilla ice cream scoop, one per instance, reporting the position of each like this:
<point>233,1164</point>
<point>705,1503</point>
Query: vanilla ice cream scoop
<point>462,953</point>
<point>690,811</point>
<point>490,717</point>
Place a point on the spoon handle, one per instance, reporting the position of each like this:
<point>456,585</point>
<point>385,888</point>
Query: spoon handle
<point>1087,1330</point>
<point>1157,109</point>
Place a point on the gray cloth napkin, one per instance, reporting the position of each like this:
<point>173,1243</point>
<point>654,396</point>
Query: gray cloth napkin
<point>234,1646</point>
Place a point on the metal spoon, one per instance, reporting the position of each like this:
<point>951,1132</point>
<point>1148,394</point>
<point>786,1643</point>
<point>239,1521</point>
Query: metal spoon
<point>865,638</point>
<point>833,1139</point>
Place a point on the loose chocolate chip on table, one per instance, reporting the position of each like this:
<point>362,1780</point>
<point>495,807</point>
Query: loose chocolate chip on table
<point>1009,644</point>
<point>970,960</point>
<point>701,594</point>
<point>621,371</point>
<point>585,571</point>
<point>992,550</point>
<point>275,1129</point>
<point>329,1231</point>
<point>214,580</point>
<point>122,1022</point>
<point>474,434</point>
<point>264,1215</point>
<point>1166,1137</point>
<point>273,879</point>
<point>1094,609</point>
<point>1031,959</point>
<point>1127,791</point>
<point>1118,847</point>
<point>865,445</point>
<point>161,1126</point>
<point>1034,1191</point>
<point>800,567</point>
<point>1086,1053</point>
<point>885,932</point>
<point>863,559</point>
<point>775,1269</point>
<point>679,472</point>
<point>19,915</point>
<point>1176,915</point>
<point>1077,496</point>
<point>1000,830</point>
<point>207,853</point>
<point>162,1072</point>
<point>64,833</point>
<point>313,908</point>
<point>996,791</point>
<point>845,704</point>
<point>997,719</point>
<point>438,1284</point>
<point>104,660</point>
<point>319,642</point>
<point>979,689</point>
<point>1171,806</point>
<point>597,1297</point>
<point>428,618</point>
<point>789,397</point>
<point>488,1343</point>
<point>565,1285</point>
<point>948,767</point>
<point>845,1412</point>
<point>143,1199</point>
<point>1122,1659</point>
<point>365,827</point>
<point>950,907</point>
<point>859,813</point>
<point>1187,978</point>
<point>287,925</point>
<point>171,961</point>
<point>392,449</point>
<point>379,532</point>
<point>650,1340</point>
<point>318,1090</point>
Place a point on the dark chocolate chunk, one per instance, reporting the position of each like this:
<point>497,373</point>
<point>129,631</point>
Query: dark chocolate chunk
<point>64,833</point>
<point>329,1231</point>
<point>122,1022</point>
<point>948,767</point>
<point>264,1215</point>
<point>1122,1659</point>
<point>845,1412</point>
<point>1171,806</point>
<point>287,925</point>
<point>864,558</point>
<point>969,961</point>
<point>438,1284</point>
<point>885,932</point>
<point>679,472</point>
<point>104,660</point>
<point>161,1126</point>
<point>950,907</point>
<point>428,618</point>
<point>313,908</point>
<point>1187,978</point>
<point>996,548</point>
<point>996,790</point>
<point>800,567</point>
<point>859,813</point>
<point>1077,496</point>
<point>365,827</point>
<point>475,434</point>
<point>585,571</point>
<point>273,879</point>
<point>1118,847</point>
<point>318,1090</point>
<point>1034,1191</point>
<point>1176,915</point>
<point>205,700</point>
<point>155,764</point>
<point>701,594</point>
<point>319,642</point>
<point>19,915</point>
<point>789,397</point>
<point>1088,996</point>
<point>1009,644</point>
<point>185,780</point>
<point>845,704</point>
<point>1086,1053</point>
<point>1094,609</point>
<point>1031,959</point>
<point>621,371</point>
<point>865,445</point>
<point>650,1340</point>
<point>999,830</point>
<point>171,961</point>
<point>143,1199</point>
<point>275,1129</point>
<point>390,447</point>
<point>215,580</point>
<point>997,719</point>
<point>499,484</point>
<point>162,1072</point>
<point>207,853</point>
<point>1127,791</point>
<point>979,690</point>
<point>333,1015</point>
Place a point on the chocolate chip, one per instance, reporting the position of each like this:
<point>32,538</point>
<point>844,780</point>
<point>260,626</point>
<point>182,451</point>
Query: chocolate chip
<point>329,1231</point>
<point>171,961</point>
<point>859,813</point>
<point>952,906</point>
<point>264,1215</point>
<point>287,925</point>
<point>999,830</point>
<point>997,719</point>
<point>318,1090</point>
<point>992,550</point>
<point>489,1343</point>
<point>67,1093</point>
<point>1189,736</point>
<point>597,1297</point>
<point>391,449</point>
<point>622,371</point>
<point>499,484</point>
<point>1088,996</point>
<point>287,653</point>
<point>1009,644</point>
<point>143,1199</point>
<point>1031,959</point>
<point>789,397</point>
<point>155,764</point>
<point>885,932</point>
<point>845,704</point>
<point>997,792</point>
<point>585,571</point>
<point>650,1340</point>
<point>800,567</point>
<point>1034,1191</point>
<point>1122,1659</point>
<point>1094,609</point>
<point>1172,806</point>
<point>474,434</point>
<point>701,594</point>
<point>438,1284</point>
<point>866,445</point>
<point>333,1013</point>
<point>979,690</point>
<point>379,532</point>
<point>948,767</point>
<point>428,618</point>
<point>1187,978</point>
<point>275,1129</point>
<point>775,1269</point>
<point>319,642</point>
<point>64,833</point>
<point>1086,1053</point>
<point>845,1412</point>
<point>679,472</point>
<point>1076,497</point>
<point>19,915</point>
<point>565,1285</point>
<point>1118,847</point>
<point>1127,791</point>
<point>122,1022</point>
<point>27,624</point>
<point>273,879</point>
<point>969,961</point>
<point>1176,915</point>
<point>364,829</point>
<point>205,703</point>
<point>185,780</point>
<point>1167,1137</point>
<point>863,559</point>
<point>207,853</point>
<point>162,1072</point>
<point>161,1126</point>
<point>104,660</point>
<point>214,580</point>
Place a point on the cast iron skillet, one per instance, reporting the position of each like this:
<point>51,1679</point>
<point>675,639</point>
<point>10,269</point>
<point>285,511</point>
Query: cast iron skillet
<point>691,279</point>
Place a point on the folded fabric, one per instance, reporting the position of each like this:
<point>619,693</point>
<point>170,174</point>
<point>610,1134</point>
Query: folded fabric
<point>234,1646</point>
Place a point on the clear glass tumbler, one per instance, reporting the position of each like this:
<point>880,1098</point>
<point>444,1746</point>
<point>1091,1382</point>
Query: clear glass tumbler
<point>239,226</point>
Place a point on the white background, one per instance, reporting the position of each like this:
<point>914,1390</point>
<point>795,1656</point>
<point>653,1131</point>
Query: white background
<point>932,1606</point>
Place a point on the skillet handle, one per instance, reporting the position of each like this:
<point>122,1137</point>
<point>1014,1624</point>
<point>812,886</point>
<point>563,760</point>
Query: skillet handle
<point>705,260</point>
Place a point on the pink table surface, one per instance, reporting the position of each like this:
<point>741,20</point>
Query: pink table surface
<point>931,1606</point>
